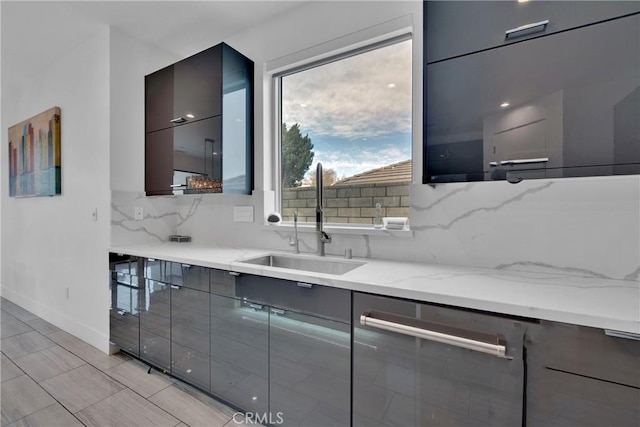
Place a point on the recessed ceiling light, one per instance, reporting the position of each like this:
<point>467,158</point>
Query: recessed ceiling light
<point>523,1</point>
<point>504,104</point>
<point>391,85</point>
<point>191,116</point>
<point>303,105</point>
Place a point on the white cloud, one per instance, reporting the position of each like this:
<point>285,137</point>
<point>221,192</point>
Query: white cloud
<point>352,98</point>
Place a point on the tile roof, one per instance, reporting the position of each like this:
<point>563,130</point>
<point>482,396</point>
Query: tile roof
<point>395,173</point>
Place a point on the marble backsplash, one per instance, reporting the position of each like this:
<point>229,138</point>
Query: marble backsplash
<point>574,226</point>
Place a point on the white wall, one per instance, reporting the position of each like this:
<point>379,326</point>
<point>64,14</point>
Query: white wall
<point>50,244</point>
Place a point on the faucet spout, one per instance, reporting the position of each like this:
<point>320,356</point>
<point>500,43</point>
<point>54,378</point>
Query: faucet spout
<point>322,237</point>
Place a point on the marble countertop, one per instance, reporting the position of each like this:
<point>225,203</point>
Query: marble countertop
<point>587,301</point>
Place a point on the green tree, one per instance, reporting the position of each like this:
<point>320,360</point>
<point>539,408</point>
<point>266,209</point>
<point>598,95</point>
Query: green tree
<point>297,155</point>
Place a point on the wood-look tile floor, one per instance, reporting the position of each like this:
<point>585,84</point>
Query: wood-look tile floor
<point>50,378</point>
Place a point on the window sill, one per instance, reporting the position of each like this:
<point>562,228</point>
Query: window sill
<point>339,229</point>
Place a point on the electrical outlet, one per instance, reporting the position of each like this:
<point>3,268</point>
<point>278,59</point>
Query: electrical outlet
<point>138,213</point>
<point>94,214</point>
<point>66,292</point>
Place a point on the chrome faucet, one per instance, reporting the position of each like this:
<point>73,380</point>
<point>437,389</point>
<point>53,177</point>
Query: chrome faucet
<point>293,241</point>
<point>323,237</point>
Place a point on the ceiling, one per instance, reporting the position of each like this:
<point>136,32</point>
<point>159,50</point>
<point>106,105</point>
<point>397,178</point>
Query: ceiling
<point>37,32</point>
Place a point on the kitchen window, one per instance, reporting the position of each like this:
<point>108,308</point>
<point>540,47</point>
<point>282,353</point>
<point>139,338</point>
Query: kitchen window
<point>352,113</point>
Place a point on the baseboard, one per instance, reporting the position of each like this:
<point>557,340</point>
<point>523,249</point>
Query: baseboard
<point>59,319</point>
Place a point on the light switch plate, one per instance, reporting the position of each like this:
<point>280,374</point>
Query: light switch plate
<point>243,213</point>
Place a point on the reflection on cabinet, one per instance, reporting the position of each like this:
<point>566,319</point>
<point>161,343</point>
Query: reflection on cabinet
<point>403,379</point>
<point>190,335</point>
<point>309,348</point>
<point>124,320</point>
<point>155,323</point>
<point>582,376</point>
<point>199,125</point>
<point>240,352</point>
<point>550,106</point>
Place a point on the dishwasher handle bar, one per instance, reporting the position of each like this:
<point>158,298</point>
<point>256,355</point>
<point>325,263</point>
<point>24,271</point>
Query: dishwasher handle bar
<point>385,321</point>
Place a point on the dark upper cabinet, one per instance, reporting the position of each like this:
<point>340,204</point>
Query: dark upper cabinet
<point>194,110</point>
<point>462,27</point>
<point>562,105</point>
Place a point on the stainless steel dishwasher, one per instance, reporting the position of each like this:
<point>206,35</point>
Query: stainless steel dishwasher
<point>417,364</point>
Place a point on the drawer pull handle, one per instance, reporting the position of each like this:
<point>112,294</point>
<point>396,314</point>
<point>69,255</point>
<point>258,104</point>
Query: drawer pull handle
<point>305,285</point>
<point>178,120</point>
<point>389,322</point>
<point>528,28</point>
<point>524,161</point>
<point>234,273</point>
<point>255,306</point>
<point>176,287</point>
<point>621,334</point>
<point>277,311</point>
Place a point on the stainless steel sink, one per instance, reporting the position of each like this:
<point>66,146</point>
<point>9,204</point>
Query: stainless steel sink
<point>316,265</point>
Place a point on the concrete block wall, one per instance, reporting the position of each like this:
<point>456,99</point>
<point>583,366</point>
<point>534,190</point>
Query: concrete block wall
<point>353,204</point>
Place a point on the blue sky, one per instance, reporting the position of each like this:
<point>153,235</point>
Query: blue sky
<point>357,111</point>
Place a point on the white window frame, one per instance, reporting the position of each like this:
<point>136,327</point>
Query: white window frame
<point>385,34</point>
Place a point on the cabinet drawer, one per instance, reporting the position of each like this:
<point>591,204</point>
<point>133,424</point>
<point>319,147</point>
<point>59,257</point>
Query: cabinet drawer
<point>306,298</point>
<point>586,351</point>
<point>177,273</point>
<point>460,27</point>
<point>556,399</point>
<point>415,364</point>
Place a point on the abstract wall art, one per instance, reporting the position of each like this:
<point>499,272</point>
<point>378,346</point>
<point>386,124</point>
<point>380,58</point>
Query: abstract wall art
<point>35,157</point>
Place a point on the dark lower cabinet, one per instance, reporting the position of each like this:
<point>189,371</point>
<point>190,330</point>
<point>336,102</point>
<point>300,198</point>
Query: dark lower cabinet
<point>294,353</point>
<point>155,324</point>
<point>417,364</point>
<point>309,357</point>
<point>582,376</point>
<point>190,335</point>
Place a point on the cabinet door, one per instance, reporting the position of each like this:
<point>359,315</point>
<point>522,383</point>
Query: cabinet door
<point>543,108</point>
<point>158,99</point>
<point>403,379</point>
<point>186,91</point>
<point>198,85</point>
<point>175,154</point>
<point>240,352</point>
<point>309,348</point>
<point>124,320</point>
<point>461,27</point>
<point>158,163</point>
<point>155,323</point>
<point>190,335</point>
<point>125,283</point>
<point>310,369</point>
